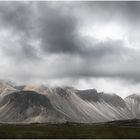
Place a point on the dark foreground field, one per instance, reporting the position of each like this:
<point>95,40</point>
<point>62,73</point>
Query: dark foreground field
<point>120,129</point>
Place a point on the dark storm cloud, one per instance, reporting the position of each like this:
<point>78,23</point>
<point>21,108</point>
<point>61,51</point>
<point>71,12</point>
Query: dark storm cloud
<point>17,18</point>
<point>58,31</point>
<point>51,30</point>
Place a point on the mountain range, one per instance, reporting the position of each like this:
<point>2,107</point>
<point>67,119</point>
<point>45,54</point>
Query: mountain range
<point>30,104</point>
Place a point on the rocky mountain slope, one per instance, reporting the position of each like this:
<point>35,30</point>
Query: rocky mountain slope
<point>64,104</point>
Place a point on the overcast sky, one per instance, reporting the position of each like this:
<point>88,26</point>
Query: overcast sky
<point>80,44</point>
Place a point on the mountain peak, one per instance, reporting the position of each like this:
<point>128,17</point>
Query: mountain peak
<point>133,96</point>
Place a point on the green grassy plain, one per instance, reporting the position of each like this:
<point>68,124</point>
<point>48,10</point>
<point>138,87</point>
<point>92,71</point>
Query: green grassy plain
<point>70,130</point>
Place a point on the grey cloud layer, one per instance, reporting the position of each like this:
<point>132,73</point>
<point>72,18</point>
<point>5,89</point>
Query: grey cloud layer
<point>49,45</point>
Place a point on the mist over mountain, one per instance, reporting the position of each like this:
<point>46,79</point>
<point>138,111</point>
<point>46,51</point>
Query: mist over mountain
<point>31,103</point>
<point>58,43</point>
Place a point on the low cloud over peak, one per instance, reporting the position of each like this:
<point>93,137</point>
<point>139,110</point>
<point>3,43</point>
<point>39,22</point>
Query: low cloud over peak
<point>51,41</point>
